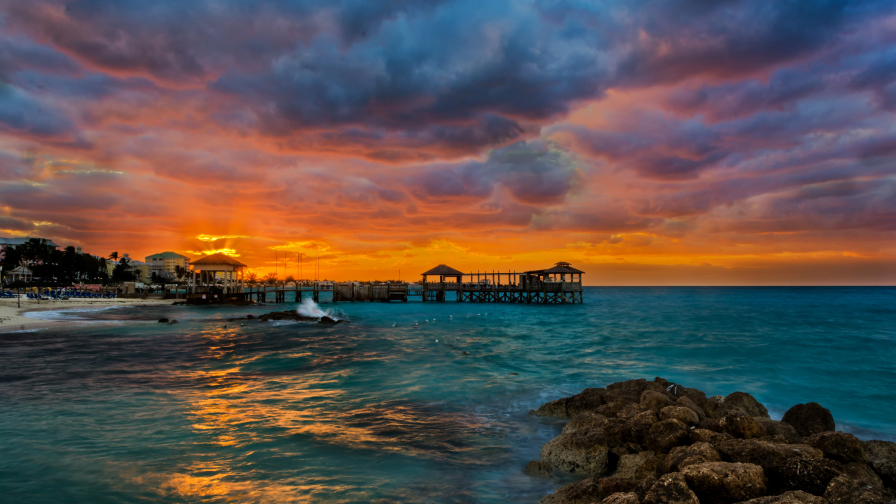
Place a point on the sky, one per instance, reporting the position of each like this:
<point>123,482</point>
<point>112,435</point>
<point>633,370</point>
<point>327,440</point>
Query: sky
<point>647,142</point>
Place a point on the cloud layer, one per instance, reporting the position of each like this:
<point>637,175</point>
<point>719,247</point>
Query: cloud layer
<point>748,135</point>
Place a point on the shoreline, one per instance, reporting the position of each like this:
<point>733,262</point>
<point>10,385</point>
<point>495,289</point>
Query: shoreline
<point>13,318</point>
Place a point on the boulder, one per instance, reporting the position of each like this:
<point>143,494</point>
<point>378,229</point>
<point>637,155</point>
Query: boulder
<point>862,472</point>
<point>882,458</point>
<point>839,446</point>
<point>250,316</point>
<point>792,497</point>
<point>687,402</point>
<point>670,489</point>
<point>847,490</point>
<point>655,401</point>
<point>611,409</point>
<point>583,451</point>
<point>585,420</point>
<point>615,484</point>
<point>581,492</point>
<point>748,404</point>
<point>740,425</point>
<point>622,498</point>
<point>724,482</point>
<point>680,413</point>
<point>555,408</point>
<point>683,456</point>
<point>631,411</point>
<point>707,436</point>
<point>638,426</point>
<point>539,468</point>
<point>763,453</point>
<point>667,434</point>
<point>809,475</point>
<point>810,418</point>
<point>163,320</point>
<point>587,400</point>
<point>638,466</point>
<point>775,428</point>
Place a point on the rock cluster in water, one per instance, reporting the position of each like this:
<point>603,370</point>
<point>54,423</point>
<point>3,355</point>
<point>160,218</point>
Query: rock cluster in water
<point>293,315</point>
<point>643,442</point>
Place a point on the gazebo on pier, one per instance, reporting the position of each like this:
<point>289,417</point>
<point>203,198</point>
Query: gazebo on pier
<point>442,271</point>
<point>229,269</point>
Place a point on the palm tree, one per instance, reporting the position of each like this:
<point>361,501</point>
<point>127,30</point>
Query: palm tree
<point>114,256</point>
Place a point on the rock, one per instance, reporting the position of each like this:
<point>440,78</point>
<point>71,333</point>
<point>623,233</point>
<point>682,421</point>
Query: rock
<point>639,465</point>
<point>584,451</point>
<point>163,320</point>
<point>556,408</point>
<point>792,497</point>
<point>882,458</point>
<point>810,418</point>
<point>746,403</point>
<point>687,402</point>
<point>581,492</point>
<point>622,498</point>
<point>585,420</point>
<point>683,456</point>
<point>615,484</point>
<point>763,453</point>
<point>630,391</point>
<point>809,475</point>
<point>667,434</point>
<point>631,411</point>
<point>655,401</point>
<point>250,316</point>
<point>587,400</point>
<point>680,413</point>
<point>539,468</point>
<point>707,436</point>
<point>329,321</point>
<point>611,409</point>
<point>724,482</point>
<point>670,489</point>
<point>637,427</point>
<point>783,429</point>
<point>740,425</point>
<point>862,472</point>
<point>846,490</point>
<point>839,446</point>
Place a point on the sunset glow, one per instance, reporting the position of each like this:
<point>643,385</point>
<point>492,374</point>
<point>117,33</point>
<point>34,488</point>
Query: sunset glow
<point>643,147</point>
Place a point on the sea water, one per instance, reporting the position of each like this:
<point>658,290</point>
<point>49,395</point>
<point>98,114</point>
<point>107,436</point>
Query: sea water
<point>410,402</point>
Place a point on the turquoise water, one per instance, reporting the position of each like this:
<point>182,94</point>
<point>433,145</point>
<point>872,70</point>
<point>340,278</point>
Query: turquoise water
<point>207,410</point>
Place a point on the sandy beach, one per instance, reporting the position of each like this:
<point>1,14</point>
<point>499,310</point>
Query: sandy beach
<point>12,317</point>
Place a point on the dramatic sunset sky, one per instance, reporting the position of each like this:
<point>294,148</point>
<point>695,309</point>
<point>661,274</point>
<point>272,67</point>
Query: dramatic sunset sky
<point>647,142</point>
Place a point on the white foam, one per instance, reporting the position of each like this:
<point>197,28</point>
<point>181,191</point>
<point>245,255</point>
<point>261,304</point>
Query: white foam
<point>309,308</point>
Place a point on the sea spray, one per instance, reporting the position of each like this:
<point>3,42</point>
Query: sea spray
<point>309,308</point>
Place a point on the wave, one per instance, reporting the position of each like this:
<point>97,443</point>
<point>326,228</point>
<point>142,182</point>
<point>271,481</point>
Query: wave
<point>310,309</point>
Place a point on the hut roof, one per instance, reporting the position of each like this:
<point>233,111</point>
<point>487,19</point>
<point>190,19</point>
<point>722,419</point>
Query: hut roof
<point>562,267</point>
<point>442,269</point>
<point>216,259</point>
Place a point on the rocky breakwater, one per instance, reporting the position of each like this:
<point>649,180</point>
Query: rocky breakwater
<point>652,442</point>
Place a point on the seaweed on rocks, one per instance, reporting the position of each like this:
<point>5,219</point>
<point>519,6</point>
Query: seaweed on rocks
<point>646,442</point>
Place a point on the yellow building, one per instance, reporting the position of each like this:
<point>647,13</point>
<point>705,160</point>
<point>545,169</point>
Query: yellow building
<point>139,267</point>
<point>163,264</point>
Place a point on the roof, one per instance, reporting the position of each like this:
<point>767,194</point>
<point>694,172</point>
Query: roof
<point>443,270</point>
<point>167,255</point>
<point>15,242</point>
<point>562,267</point>
<point>216,259</point>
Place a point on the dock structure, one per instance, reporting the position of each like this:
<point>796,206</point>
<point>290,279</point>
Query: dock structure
<point>560,284</point>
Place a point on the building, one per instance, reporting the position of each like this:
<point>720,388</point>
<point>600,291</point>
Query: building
<point>17,242</point>
<point>139,267</point>
<point>164,264</point>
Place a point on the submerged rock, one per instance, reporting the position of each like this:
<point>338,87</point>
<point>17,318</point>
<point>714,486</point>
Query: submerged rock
<point>163,320</point>
<point>539,468</point>
<point>810,418</point>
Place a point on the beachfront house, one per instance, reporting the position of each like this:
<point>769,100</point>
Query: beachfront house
<point>164,264</point>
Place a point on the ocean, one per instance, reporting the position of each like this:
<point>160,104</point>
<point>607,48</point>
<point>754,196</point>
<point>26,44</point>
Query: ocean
<point>410,402</point>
